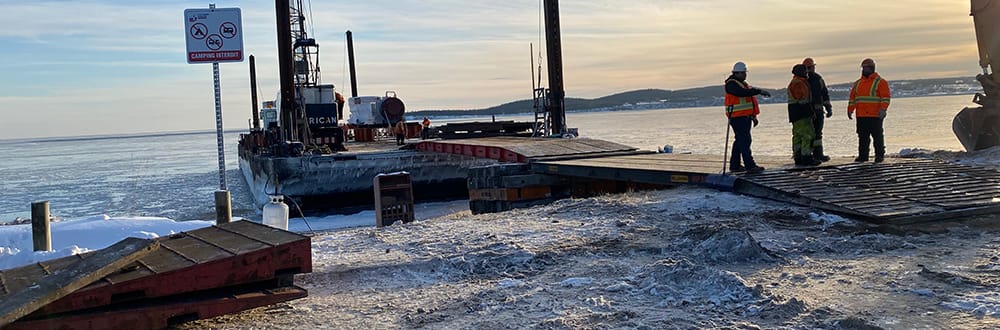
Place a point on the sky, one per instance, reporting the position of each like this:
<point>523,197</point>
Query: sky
<point>95,67</point>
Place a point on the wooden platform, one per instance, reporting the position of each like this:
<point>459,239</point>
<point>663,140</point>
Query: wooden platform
<point>233,255</point>
<point>523,150</point>
<point>897,191</point>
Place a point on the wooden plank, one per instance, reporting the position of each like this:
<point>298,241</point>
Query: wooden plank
<point>76,276</point>
<point>161,314</point>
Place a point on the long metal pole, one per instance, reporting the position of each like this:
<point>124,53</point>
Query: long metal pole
<point>289,115</point>
<point>218,127</point>
<point>553,46</point>
<point>350,61</point>
<point>253,94</point>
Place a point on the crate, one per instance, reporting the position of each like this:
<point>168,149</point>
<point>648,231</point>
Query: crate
<point>393,199</point>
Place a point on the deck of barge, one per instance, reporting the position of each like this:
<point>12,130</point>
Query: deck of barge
<point>898,191</point>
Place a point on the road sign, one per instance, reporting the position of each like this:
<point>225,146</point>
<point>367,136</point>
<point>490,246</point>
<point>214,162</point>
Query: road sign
<point>214,35</point>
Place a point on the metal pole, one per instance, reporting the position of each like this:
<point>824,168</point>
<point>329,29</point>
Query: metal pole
<point>253,94</point>
<point>553,46</point>
<point>725,154</point>
<point>41,233</point>
<point>350,61</point>
<point>286,70</point>
<point>218,127</point>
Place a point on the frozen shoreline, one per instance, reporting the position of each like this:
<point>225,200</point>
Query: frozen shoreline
<point>685,257</point>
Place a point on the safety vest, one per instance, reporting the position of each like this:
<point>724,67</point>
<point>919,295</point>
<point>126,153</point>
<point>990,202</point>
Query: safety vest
<point>868,96</point>
<point>804,85</point>
<point>741,106</point>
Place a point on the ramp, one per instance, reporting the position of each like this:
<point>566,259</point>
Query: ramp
<point>897,191</point>
<point>200,273</point>
<point>26,289</point>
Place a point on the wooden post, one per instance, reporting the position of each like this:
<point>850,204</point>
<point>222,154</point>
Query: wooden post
<point>223,209</point>
<point>41,233</point>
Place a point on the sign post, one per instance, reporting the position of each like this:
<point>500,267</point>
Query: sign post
<point>216,35</point>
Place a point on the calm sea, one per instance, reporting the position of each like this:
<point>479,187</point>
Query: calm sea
<point>175,176</point>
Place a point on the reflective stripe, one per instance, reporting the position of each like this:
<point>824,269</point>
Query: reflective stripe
<point>743,105</point>
<point>872,96</point>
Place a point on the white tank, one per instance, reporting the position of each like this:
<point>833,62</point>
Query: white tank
<point>365,110</point>
<point>276,213</point>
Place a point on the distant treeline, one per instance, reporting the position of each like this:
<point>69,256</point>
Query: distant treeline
<point>707,96</point>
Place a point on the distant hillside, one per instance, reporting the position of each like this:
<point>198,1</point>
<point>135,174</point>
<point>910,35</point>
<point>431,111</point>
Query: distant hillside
<point>708,96</point>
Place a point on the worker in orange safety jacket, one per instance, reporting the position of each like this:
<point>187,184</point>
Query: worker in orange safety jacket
<point>801,115</point>
<point>742,110</point>
<point>870,99</point>
<point>425,129</point>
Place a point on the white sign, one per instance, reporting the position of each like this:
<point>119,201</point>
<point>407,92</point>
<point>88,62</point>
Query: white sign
<point>214,35</point>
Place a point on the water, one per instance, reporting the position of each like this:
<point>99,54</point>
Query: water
<point>175,176</point>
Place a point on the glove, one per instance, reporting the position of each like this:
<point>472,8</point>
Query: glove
<point>882,113</point>
<point>765,93</point>
<point>850,115</point>
<point>829,111</point>
<point>755,121</point>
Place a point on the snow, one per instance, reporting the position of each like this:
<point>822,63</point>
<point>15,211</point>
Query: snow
<point>83,235</point>
<point>677,258</point>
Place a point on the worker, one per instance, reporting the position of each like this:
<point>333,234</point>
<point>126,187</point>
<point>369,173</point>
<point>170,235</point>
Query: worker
<point>870,98</point>
<point>400,130</point>
<point>800,114</point>
<point>820,102</point>
<point>339,99</point>
<point>742,110</point>
<point>425,129</point>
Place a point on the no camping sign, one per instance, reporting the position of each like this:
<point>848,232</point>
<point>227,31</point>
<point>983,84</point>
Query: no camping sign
<point>213,35</point>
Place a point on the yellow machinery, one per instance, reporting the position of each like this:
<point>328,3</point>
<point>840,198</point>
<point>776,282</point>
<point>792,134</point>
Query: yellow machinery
<point>979,128</point>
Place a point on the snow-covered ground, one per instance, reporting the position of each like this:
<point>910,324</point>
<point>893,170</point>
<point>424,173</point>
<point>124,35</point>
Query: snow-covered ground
<point>677,258</point>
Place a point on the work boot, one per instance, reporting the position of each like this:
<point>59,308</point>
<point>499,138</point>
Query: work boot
<point>737,168</point>
<point>860,159</point>
<point>755,169</point>
<point>807,161</point>
<point>818,155</point>
<point>879,158</point>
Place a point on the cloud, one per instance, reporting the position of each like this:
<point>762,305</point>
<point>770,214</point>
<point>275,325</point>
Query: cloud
<point>124,61</point>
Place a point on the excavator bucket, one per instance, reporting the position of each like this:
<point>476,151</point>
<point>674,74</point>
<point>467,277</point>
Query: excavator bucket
<point>979,128</point>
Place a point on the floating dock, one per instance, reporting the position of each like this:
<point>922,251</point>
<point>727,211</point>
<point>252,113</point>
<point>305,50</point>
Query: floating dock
<point>188,276</point>
<point>898,191</point>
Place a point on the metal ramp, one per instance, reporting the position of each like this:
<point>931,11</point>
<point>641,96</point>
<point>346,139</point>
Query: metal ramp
<point>897,191</point>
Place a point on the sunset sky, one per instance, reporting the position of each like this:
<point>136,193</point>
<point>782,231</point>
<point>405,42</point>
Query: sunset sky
<point>87,67</point>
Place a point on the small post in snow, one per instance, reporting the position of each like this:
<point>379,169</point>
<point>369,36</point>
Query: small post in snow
<point>223,209</point>
<point>41,233</point>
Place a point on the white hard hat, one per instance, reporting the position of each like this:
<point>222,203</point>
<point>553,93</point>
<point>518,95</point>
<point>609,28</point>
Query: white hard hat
<point>739,67</point>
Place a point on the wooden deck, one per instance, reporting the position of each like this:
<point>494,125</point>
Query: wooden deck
<point>523,150</point>
<point>210,259</point>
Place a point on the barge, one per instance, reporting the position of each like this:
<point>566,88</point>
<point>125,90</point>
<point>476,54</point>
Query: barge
<point>322,151</point>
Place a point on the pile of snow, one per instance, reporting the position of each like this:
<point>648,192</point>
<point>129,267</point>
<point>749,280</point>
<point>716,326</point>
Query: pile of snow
<point>978,303</point>
<point>82,235</point>
<point>75,236</point>
<point>680,282</point>
<point>989,158</point>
